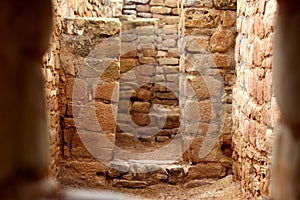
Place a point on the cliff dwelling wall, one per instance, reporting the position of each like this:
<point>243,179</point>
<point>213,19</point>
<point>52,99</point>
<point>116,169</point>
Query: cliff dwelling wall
<point>255,111</point>
<point>159,74</point>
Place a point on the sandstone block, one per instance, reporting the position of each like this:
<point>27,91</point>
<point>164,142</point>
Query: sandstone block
<point>172,121</point>
<point>103,118</point>
<point>108,48</point>
<point>169,43</point>
<point>146,60</point>
<point>222,41</point>
<point>144,94</point>
<point>160,88</point>
<point>172,78</point>
<point>147,70</point>
<point>168,61</point>
<point>130,54</point>
<point>141,119</point>
<point>222,61</point>
<point>229,18</point>
<point>172,20</point>
<point>170,102</point>
<point>146,39</point>
<point>228,4</point>
<point>211,149</point>
<point>143,8</point>
<point>128,49</point>
<point>165,132</point>
<point>196,18</point>
<point>156,2</point>
<point>159,78</point>
<point>199,3</point>
<point>99,145</point>
<point>107,92</point>
<point>142,79</point>
<point>145,30</point>
<point>199,45</point>
<point>87,167</point>
<point>171,3</point>
<point>203,87</point>
<point>111,72</point>
<point>136,1</point>
<point>149,52</point>
<point>191,112</point>
<point>206,111</point>
<point>113,173</point>
<point>162,138</point>
<point>141,107</point>
<point>160,10</point>
<point>129,12</point>
<point>129,7</point>
<point>144,15</point>
<point>169,29</point>
<point>127,64</point>
<point>259,27</point>
<point>257,52</point>
<point>208,170</point>
<point>146,132</point>
<point>67,62</point>
<point>80,90</point>
<point>69,123</point>
<point>176,11</point>
<point>166,95</point>
<point>92,26</point>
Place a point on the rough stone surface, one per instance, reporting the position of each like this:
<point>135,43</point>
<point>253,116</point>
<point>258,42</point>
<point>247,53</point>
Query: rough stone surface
<point>198,18</point>
<point>222,41</point>
<point>225,4</point>
<point>253,101</point>
<point>149,42</point>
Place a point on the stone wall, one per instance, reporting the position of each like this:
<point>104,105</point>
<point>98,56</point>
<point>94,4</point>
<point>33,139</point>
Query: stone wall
<point>208,75</point>
<point>171,76</point>
<point>151,8</point>
<point>89,53</point>
<point>164,49</point>
<point>55,76</point>
<point>91,8</point>
<point>50,68</point>
<point>254,107</point>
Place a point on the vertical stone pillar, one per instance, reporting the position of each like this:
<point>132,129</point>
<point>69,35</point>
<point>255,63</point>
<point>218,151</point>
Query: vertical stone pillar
<point>90,52</point>
<point>207,67</point>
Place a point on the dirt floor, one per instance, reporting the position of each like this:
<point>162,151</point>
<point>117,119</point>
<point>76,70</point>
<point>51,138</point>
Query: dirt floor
<point>223,189</point>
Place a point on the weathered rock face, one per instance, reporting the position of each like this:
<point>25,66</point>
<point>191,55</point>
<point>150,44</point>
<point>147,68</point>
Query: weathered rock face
<point>254,104</point>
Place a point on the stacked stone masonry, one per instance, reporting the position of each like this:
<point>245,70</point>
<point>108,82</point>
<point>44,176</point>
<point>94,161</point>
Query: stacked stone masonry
<point>143,86</point>
<point>51,71</point>
<point>164,71</point>
<point>140,79</point>
<point>208,31</point>
<point>254,107</point>
<point>90,63</point>
<point>90,8</point>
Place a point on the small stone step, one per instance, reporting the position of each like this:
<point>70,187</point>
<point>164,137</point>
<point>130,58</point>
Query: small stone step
<point>129,183</point>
